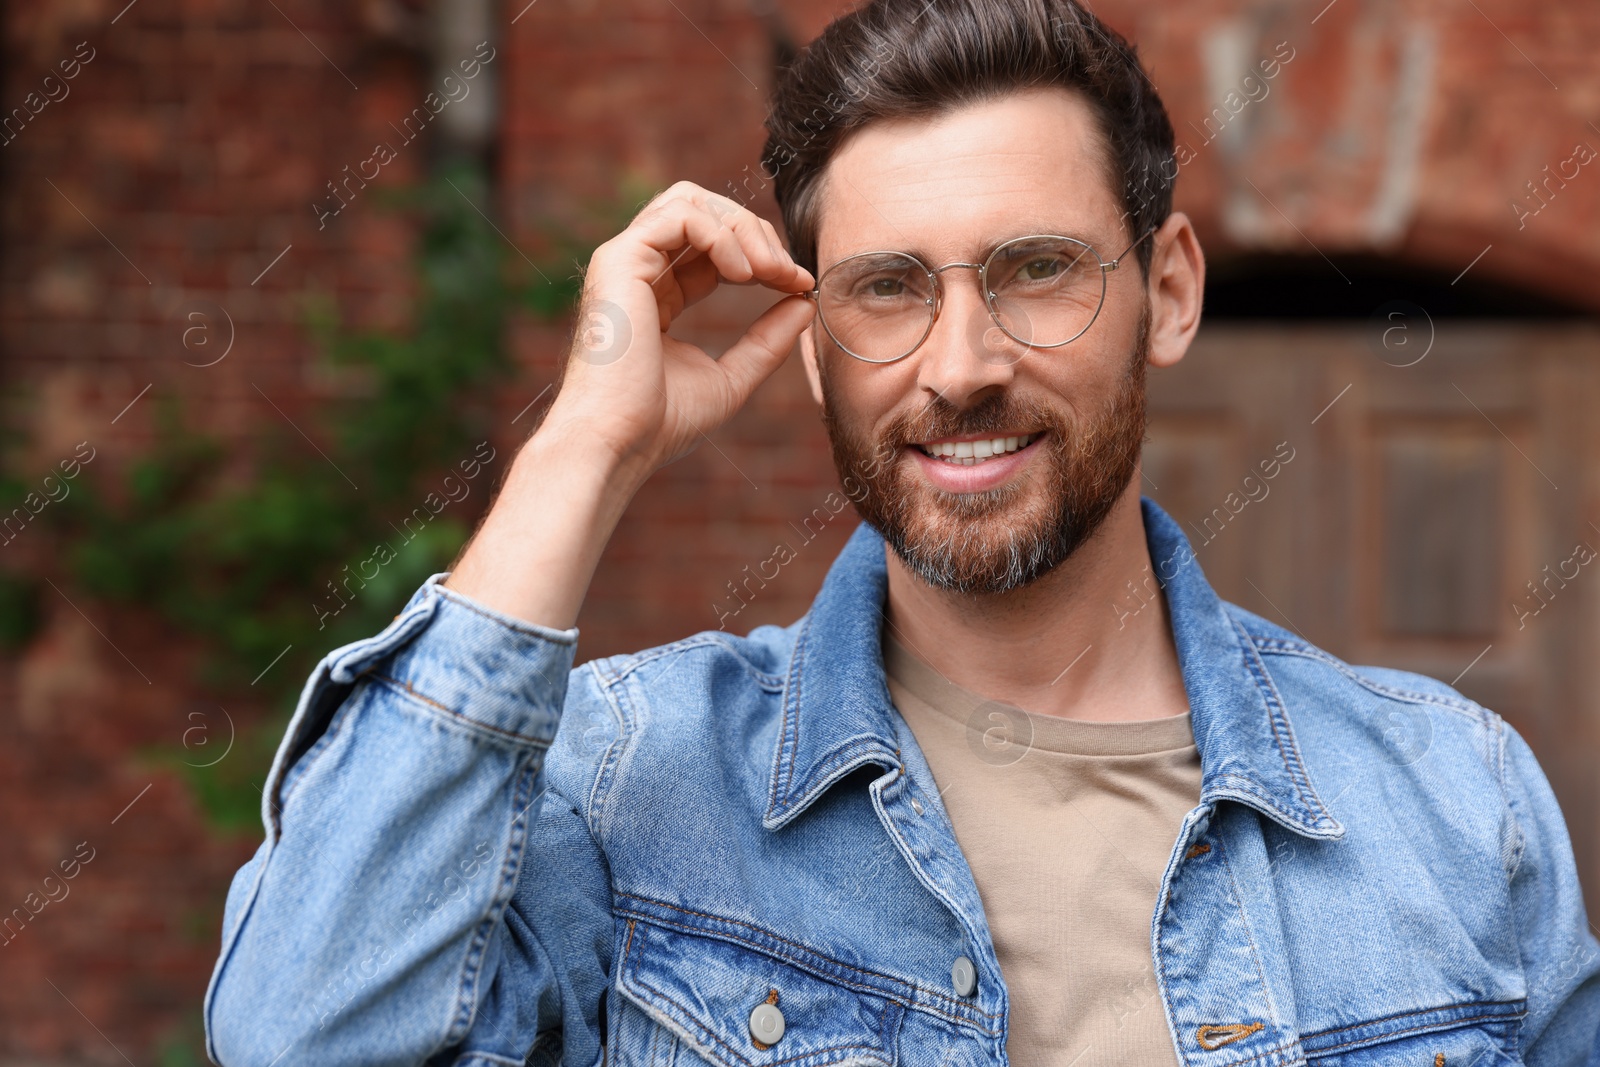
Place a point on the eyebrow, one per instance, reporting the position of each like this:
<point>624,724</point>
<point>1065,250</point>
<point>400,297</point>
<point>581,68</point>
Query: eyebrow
<point>1025,228</point>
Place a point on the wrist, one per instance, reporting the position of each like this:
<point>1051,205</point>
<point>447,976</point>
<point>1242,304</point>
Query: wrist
<point>594,443</point>
<point>536,551</point>
<point>573,443</point>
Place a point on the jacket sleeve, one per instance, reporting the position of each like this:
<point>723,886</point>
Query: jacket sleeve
<point>1560,955</point>
<point>426,892</point>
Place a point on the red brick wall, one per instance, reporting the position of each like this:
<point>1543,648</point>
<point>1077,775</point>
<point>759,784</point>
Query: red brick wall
<point>1405,129</point>
<point>186,158</point>
<point>181,161</point>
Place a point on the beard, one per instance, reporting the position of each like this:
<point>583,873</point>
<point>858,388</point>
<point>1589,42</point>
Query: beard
<point>1001,539</point>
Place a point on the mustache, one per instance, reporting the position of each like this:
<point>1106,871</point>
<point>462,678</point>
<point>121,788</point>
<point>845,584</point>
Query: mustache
<point>940,418</point>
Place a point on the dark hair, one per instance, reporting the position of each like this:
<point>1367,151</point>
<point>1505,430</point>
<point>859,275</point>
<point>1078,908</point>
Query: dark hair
<point>896,58</point>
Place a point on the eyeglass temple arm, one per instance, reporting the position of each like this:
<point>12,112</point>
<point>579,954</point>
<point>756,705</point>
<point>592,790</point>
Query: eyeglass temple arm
<point>1107,268</point>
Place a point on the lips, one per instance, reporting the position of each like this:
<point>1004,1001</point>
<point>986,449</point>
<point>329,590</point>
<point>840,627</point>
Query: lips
<point>970,452</point>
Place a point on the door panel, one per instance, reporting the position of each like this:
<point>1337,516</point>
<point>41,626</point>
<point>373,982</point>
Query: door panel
<point>1433,517</point>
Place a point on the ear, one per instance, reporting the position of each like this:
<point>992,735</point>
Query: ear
<point>808,356</point>
<point>1177,286</point>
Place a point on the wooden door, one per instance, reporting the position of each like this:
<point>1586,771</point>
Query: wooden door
<point>1437,512</point>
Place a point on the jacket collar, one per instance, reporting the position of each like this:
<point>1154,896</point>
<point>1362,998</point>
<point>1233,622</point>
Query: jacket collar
<point>837,714</point>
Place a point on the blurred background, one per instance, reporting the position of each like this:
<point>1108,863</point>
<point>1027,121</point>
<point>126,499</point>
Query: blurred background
<point>285,285</point>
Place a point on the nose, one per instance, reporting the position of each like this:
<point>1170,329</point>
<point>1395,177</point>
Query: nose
<point>966,356</point>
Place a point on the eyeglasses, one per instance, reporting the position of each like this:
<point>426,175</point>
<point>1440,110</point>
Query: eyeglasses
<point>1042,290</point>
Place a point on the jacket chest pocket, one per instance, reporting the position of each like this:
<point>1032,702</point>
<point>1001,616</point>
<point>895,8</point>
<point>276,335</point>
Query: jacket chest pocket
<point>736,1006</point>
<point>1467,1035</point>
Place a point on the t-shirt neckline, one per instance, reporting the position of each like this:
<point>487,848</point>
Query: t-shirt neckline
<point>1048,732</point>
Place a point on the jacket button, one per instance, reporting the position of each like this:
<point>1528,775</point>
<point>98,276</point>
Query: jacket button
<point>766,1024</point>
<point>964,976</point>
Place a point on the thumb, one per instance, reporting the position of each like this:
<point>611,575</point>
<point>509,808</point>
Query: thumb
<point>765,345</point>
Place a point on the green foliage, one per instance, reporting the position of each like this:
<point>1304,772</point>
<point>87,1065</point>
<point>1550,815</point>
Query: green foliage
<point>184,1043</point>
<point>266,557</point>
<point>19,611</point>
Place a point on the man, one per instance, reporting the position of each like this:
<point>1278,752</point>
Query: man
<point>968,809</point>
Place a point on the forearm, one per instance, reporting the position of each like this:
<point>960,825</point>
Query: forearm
<point>536,551</point>
<point>359,931</point>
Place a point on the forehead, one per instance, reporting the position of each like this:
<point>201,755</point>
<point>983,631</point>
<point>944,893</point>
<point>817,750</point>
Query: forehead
<point>949,186</point>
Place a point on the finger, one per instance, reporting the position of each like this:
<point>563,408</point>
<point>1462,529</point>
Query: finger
<point>694,279</point>
<point>773,241</point>
<point>770,258</point>
<point>772,265</point>
<point>764,346</point>
<point>735,239</point>
<point>671,234</point>
<point>697,278</point>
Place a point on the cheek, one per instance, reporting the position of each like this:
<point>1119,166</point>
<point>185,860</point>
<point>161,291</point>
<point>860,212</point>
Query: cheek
<point>853,390</point>
<point>869,398</point>
<point>1114,340</point>
<point>1076,379</point>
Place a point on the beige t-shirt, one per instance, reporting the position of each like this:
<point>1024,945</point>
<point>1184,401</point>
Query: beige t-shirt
<point>1067,834</point>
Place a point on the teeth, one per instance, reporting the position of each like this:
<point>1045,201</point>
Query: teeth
<point>968,453</point>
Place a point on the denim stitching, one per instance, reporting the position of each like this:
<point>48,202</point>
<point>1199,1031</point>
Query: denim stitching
<point>1422,1011</point>
<point>938,891</point>
<point>472,963</point>
<point>633,662</point>
<point>655,1041</point>
<point>842,978</point>
<point>1378,1039</point>
<point>406,689</point>
<point>1163,905</point>
<point>1255,952</point>
<point>644,917</point>
<point>713,1037</point>
<point>765,679</point>
<point>513,625</point>
<point>1249,785</point>
<point>610,764</point>
<point>852,749</point>
<point>783,760</point>
<point>1519,840</point>
<point>1477,712</point>
<point>1255,1057</point>
<point>1275,715</point>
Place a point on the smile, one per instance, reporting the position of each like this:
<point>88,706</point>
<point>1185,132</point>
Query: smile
<point>970,453</point>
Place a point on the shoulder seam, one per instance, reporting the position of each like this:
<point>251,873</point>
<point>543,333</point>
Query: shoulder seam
<point>606,767</point>
<point>1519,839</point>
<point>1471,709</point>
<point>632,662</point>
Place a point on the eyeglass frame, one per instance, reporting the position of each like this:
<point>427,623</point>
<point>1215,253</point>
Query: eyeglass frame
<point>937,300</point>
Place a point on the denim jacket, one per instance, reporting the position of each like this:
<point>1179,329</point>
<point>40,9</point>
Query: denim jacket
<point>729,851</point>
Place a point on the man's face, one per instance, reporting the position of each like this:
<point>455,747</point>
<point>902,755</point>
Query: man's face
<point>950,189</point>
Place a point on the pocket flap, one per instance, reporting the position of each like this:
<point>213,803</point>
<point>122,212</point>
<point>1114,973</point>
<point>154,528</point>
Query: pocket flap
<point>705,989</point>
<point>1482,1033</point>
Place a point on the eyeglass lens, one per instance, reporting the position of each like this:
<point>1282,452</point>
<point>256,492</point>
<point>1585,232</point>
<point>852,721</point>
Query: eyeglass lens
<point>1043,291</point>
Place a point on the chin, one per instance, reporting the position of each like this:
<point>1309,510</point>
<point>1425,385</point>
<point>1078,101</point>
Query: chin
<point>981,544</point>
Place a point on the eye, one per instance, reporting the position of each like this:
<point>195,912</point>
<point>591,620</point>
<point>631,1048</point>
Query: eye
<point>1040,268</point>
<point>886,286</point>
